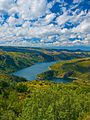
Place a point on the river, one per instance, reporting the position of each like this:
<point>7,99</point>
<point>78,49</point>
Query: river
<point>30,73</point>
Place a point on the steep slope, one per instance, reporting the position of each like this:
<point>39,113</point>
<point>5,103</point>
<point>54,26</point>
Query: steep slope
<point>15,58</point>
<point>12,61</point>
<point>77,69</point>
<point>39,100</point>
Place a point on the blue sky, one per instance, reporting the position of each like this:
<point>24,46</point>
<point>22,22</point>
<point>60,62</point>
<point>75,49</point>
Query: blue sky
<point>45,22</point>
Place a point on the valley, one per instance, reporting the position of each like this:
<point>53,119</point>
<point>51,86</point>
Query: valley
<point>43,98</point>
<point>78,69</point>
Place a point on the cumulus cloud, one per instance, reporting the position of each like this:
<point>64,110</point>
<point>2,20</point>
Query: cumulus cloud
<point>84,27</point>
<point>32,23</point>
<point>32,8</point>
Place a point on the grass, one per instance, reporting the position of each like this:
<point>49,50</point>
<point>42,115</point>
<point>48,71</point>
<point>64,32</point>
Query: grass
<point>79,67</point>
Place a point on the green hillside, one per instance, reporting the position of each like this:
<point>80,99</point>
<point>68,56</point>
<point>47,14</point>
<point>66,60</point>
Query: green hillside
<point>13,59</point>
<point>44,100</point>
<point>78,69</point>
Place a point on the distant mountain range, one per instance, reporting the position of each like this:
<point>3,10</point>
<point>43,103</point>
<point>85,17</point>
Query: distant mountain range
<point>59,48</point>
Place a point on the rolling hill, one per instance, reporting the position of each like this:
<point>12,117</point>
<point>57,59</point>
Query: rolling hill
<point>44,100</point>
<point>15,58</point>
<point>78,69</point>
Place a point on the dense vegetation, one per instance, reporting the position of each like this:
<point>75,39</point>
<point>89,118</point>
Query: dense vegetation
<point>44,100</point>
<point>39,100</point>
<point>14,58</point>
<point>77,68</point>
<point>12,61</point>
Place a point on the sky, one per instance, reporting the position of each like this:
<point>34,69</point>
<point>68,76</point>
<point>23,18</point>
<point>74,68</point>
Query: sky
<point>45,23</point>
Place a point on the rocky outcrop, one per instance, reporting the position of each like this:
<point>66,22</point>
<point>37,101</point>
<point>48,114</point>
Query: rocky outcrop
<point>68,74</point>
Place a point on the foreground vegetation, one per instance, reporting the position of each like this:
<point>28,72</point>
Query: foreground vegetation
<point>40,100</point>
<point>44,100</point>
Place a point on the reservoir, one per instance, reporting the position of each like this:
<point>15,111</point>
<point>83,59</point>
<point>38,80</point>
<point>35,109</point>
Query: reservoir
<point>30,73</point>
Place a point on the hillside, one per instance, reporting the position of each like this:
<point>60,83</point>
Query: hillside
<point>12,61</point>
<point>44,100</point>
<point>39,100</point>
<point>15,58</point>
<point>78,69</point>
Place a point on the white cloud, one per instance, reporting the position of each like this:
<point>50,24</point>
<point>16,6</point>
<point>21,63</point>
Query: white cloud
<point>32,8</point>
<point>49,18</point>
<point>6,4</point>
<point>84,27</point>
<point>63,18</point>
<point>35,20</point>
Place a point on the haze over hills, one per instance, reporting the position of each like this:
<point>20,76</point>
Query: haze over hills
<point>57,48</point>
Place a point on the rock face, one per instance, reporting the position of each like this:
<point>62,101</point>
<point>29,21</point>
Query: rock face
<point>68,74</point>
<point>48,75</point>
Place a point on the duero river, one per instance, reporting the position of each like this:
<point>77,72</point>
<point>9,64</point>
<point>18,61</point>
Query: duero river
<point>30,73</point>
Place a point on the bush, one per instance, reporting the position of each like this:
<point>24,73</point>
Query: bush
<point>21,88</point>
